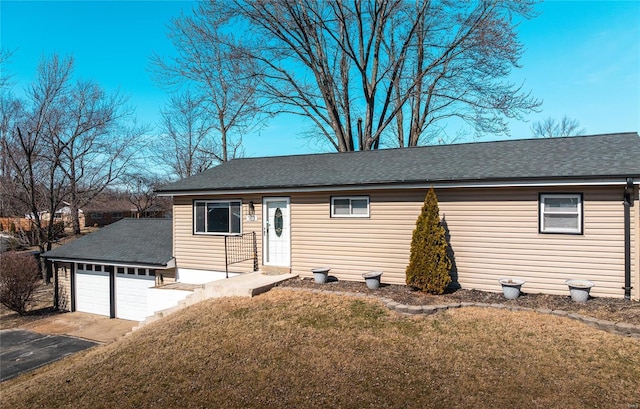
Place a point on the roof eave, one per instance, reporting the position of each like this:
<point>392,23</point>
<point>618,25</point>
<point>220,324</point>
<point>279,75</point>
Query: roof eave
<point>412,184</point>
<point>170,263</point>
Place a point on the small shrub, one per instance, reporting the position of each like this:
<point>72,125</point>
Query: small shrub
<point>429,265</point>
<point>19,279</point>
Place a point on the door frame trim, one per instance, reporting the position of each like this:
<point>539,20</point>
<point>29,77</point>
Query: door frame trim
<point>265,215</point>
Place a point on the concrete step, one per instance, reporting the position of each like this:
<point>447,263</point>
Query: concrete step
<point>243,285</point>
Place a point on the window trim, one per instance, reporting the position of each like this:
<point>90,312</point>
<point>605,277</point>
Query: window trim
<point>206,233</point>
<point>332,213</point>
<point>541,212</point>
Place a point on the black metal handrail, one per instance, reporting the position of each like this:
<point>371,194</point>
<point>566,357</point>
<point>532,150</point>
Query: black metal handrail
<point>239,248</point>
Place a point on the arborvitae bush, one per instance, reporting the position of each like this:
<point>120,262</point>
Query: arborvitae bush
<point>429,265</point>
<point>19,278</point>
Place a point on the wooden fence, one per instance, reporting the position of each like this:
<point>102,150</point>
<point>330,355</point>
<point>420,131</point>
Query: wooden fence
<point>14,224</point>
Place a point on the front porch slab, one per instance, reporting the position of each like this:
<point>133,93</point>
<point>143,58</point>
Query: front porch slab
<point>244,285</point>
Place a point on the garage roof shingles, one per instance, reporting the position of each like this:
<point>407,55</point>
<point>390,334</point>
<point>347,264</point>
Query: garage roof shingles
<point>584,157</point>
<point>128,241</point>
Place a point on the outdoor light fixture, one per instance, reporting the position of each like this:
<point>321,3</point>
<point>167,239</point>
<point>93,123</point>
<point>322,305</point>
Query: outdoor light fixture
<point>252,209</point>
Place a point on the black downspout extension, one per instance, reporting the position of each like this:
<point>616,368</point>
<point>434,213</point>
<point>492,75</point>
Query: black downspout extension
<point>56,292</point>
<point>112,294</point>
<point>628,203</point>
<point>73,287</point>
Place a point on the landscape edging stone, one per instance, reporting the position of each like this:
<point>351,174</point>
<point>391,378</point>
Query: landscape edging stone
<point>618,328</point>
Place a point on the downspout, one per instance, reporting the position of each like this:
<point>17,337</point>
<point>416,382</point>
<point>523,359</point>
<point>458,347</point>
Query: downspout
<point>627,202</point>
<point>73,286</point>
<point>56,283</point>
<point>112,294</point>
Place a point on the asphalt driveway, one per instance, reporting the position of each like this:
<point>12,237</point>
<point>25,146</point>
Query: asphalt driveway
<point>22,351</point>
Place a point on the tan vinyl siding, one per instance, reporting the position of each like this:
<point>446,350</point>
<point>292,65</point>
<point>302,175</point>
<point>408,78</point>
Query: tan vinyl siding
<point>493,233</point>
<point>64,286</point>
<point>352,246</point>
<point>206,252</point>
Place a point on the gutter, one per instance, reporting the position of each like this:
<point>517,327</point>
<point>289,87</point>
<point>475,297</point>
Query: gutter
<point>442,184</point>
<point>627,203</point>
<point>171,263</point>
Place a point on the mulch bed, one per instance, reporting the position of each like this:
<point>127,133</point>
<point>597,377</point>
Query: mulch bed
<point>610,309</point>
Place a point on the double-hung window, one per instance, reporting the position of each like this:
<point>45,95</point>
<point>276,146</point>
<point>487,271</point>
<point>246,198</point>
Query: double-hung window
<point>217,217</point>
<point>561,213</point>
<point>353,206</point>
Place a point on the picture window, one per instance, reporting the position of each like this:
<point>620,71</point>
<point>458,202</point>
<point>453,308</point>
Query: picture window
<point>217,217</point>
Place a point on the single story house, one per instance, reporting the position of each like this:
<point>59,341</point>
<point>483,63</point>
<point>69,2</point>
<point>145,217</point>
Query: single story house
<point>544,210</point>
<point>114,270</point>
<point>103,213</point>
<point>63,214</point>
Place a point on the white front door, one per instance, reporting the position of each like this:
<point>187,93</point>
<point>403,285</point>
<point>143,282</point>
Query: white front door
<point>276,232</point>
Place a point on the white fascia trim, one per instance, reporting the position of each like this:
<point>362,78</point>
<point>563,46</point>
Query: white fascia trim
<point>399,186</point>
<point>170,264</point>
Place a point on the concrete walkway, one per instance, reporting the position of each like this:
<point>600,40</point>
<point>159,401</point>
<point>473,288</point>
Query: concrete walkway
<point>243,285</point>
<point>40,342</point>
<point>105,330</point>
<point>92,327</point>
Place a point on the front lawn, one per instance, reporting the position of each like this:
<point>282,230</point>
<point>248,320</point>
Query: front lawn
<point>290,349</point>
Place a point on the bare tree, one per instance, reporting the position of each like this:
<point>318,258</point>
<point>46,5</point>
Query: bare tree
<point>5,77</point>
<point>33,161</point>
<point>551,127</point>
<point>95,144</point>
<point>69,141</point>
<point>358,69</point>
<point>10,205</point>
<point>185,143</point>
<point>221,91</point>
<point>140,191</point>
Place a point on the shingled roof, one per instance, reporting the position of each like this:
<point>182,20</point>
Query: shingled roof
<point>585,157</point>
<point>129,241</point>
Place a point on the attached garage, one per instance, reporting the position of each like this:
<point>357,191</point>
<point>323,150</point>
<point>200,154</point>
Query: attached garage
<point>112,270</point>
<point>127,300</point>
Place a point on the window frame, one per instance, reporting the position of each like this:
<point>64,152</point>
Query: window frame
<point>206,202</point>
<point>333,214</point>
<point>542,229</point>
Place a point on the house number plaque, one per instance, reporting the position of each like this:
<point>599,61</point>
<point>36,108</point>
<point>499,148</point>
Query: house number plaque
<point>277,221</point>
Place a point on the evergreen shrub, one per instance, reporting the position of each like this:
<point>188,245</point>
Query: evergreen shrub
<point>429,266</point>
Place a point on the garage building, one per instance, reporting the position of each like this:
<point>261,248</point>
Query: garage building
<point>109,272</point>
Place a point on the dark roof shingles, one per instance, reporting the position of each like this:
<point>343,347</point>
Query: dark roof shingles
<point>128,241</point>
<point>610,155</point>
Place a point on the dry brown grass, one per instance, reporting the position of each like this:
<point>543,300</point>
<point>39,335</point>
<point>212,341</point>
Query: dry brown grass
<point>286,349</point>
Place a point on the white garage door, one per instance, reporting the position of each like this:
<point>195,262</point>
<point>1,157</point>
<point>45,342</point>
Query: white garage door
<point>131,296</point>
<point>92,292</point>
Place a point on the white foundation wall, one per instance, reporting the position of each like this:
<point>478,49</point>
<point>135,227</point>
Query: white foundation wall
<point>159,299</point>
<point>192,276</point>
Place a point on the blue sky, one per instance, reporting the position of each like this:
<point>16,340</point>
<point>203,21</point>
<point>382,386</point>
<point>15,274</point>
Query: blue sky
<point>581,57</point>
